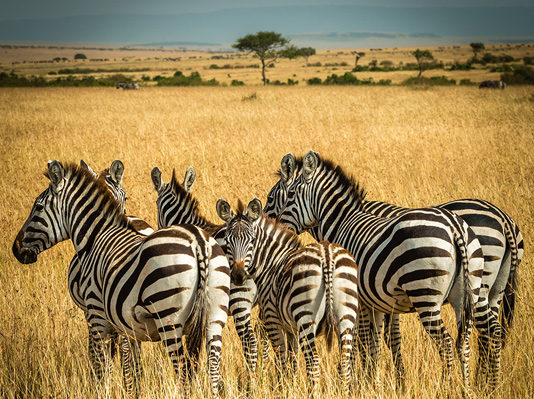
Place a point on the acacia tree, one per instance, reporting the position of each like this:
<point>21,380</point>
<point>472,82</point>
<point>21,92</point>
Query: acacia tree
<point>307,52</point>
<point>264,46</point>
<point>358,54</point>
<point>477,48</point>
<point>422,57</point>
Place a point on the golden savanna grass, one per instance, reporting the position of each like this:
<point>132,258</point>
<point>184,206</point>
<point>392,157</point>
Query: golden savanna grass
<point>408,147</point>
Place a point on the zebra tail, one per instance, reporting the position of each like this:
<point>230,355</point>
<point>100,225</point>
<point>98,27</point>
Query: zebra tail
<point>466,321</point>
<point>198,319</point>
<point>330,320</point>
<point>511,286</point>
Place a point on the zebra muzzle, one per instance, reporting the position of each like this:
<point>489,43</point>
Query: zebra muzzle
<point>24,255</point>
<point>238,276</point>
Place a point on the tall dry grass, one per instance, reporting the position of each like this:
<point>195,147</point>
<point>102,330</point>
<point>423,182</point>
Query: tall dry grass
<point>409,147</point>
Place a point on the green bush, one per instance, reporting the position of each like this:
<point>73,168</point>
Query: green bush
<point>521,75</point>
<point>314,81</point>
<point>181,80</point>
<point>236,82</point>
<point>433,81</point>
<point>80,56</point>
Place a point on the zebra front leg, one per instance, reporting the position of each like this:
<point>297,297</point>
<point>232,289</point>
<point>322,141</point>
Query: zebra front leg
<point>130,351</point>
<point>392,336</point>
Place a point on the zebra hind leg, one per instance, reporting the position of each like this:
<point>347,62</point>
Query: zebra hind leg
<point>490,344</point>
<point>392,336</point>
<point>130,351</point>
<point>307,344</point>
<point>100,348</point>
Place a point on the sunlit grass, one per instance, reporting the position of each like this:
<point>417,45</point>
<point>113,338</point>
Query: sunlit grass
<point>409,147</point>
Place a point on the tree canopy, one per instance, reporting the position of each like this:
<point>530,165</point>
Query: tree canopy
<point>264,46</point>
<point>477,48</point>
<point>422,57</point>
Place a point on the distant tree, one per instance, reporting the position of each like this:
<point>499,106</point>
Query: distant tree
<point>290,52</point>
<point>477,48</point>
<point>307,52</point>
<point>422,57</point>
<point>80,56</point>
<point>264,46</point>
<point>358,54</point>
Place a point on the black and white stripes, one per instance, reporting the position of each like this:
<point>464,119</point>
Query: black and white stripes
<point>171,283</point>
<point>303,291</point>
<point>414,262</point>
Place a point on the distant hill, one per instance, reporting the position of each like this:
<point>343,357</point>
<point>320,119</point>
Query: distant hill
<point>324,27</point>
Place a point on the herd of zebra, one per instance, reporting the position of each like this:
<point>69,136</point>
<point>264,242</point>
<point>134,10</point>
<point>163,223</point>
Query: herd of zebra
<point>372,262</point>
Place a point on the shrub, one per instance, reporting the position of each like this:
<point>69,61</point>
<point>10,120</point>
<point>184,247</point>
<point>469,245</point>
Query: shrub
<point>80,56</point>
<point>457,66</point>
<point>181,80</point>
<point>521,75</point>
<point>360,68</point>
<point>314,81</point>
<point>387,63</point>
<point>236,82</point>
<point>528,60</point>
<point>433,81</point>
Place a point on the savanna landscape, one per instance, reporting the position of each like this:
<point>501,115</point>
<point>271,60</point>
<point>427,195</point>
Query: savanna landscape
<point>412,146</point>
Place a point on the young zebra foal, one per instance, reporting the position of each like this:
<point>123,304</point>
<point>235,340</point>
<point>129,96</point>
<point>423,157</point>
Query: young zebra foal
<point>303,291</point>
<point>171,283</point>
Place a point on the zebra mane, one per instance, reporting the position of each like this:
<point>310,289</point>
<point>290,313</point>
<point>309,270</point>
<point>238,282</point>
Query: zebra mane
<point>109,202</point>
<point>272,227</point>
<point>183,195</point>
<point>345,180</point>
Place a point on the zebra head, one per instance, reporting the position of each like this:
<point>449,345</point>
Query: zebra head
<point>298,213</point>
<point>113,178</point>
<point>44,227</point>
<point>240,236</point>
<point>289,168</point>
<point>173,197</point>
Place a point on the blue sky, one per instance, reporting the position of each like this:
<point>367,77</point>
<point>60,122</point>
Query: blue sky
<point>30,9</point>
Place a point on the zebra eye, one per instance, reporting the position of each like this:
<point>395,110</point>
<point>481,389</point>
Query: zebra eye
<point>39,207</point>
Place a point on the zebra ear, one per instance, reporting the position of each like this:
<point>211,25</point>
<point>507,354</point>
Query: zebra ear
<point>190,177</point>
<point>85,166</point>
<point>224,210</point>
<point>310,163</point>
<point>287,167</point>
<point>254,209</point>
<point>56,172</point>
<point>156,179</point>
<point>116,171</point>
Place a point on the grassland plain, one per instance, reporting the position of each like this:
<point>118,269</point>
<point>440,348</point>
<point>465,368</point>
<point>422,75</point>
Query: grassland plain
<point>412,147</point>
<point>38,61</point>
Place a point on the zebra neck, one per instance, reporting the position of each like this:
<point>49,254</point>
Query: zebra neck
<point>274,246</point>
<point>86,223</point>
<point>342,219</point>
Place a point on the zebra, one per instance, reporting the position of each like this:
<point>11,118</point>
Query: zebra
<point>502,246</point>
<point>128,86</point>
<point>130,357</point>
<point>413,262</point>
<point>303,291</point>
<point>177,205</point>
<point>492,84</point>
<point>171,283</point>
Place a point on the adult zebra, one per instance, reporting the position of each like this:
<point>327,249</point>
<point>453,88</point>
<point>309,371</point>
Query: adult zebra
<point>303,291</point>
<point>130,356</point>
<point>177,205</point>
<point>414,262</point>
<point>127,86</point>
<point>502,246</point>
<point>148,288</point>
